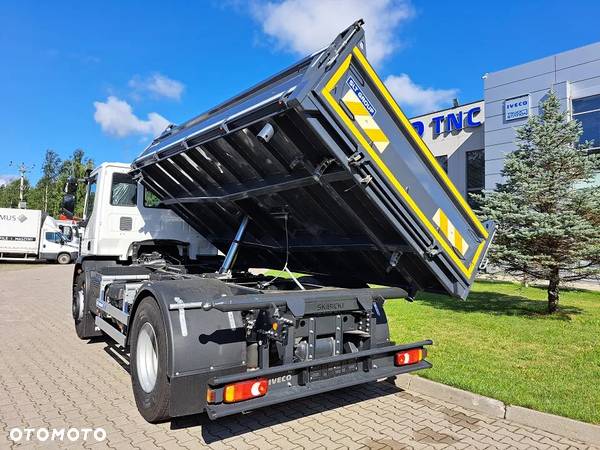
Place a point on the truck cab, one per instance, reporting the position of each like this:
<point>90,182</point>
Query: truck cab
<point>119,212</point>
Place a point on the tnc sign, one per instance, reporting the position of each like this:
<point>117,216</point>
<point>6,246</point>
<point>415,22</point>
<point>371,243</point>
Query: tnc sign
<point>450,122</point>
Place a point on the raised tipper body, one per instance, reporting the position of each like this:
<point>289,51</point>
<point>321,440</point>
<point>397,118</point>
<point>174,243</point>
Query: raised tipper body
<point>315,171</point>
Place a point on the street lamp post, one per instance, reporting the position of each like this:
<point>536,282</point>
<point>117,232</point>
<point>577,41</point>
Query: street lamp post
<point>23,169</point>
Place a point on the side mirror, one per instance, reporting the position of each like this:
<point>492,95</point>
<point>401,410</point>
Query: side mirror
<point>71,186</point>
<point>62,241</point>
<point>68,205</point>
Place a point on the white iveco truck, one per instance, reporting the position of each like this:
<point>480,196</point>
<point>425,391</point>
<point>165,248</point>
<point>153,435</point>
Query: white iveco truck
<point>123,222</point>
<point>315,171</point>
<point>31,235</point>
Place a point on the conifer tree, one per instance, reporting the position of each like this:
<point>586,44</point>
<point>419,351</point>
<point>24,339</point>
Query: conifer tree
<point>548,205</point>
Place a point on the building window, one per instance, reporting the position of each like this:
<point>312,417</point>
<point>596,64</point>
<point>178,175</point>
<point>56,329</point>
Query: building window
<point>475,174</point>
<point>587,111</point>
<point>443,161</point>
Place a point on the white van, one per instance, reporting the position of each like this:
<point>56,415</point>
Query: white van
<point>30,235</point>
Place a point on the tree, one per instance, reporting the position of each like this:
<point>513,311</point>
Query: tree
<point>76,166</point>
<point>548,207</point>
<point>9,193</point>
<point>50,172</point>
<point>42,196</point>
<point>48,192</point>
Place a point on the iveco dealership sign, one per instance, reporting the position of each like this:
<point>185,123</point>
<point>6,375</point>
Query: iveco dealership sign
<point>516,108</point>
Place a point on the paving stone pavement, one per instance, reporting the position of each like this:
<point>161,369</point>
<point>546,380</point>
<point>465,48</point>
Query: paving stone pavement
<point>51,379</point>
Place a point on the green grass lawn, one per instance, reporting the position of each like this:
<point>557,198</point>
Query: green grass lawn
<point>500,343</point>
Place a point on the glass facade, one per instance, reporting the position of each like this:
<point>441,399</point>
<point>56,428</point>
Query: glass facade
<point>475,174</point>
<point>443,161</point>
<point>587,111</point>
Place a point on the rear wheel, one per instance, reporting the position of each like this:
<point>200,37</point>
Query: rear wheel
<point>63,258</point>
<point>149,362</point>
<point>85,326</point>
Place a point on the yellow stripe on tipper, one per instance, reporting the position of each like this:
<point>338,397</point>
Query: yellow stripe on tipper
<point>365,120</point>
<point>404,123</point>
<point>450,232</point>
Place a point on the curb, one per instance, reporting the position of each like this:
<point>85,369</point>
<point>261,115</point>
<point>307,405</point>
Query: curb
<point>490,407</point>
<point>484,405</point>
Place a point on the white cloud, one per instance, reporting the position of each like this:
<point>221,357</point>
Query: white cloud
<point>5,179</point>
<point>116,117</point>
<point>159,85</point>
<point>304,26</point>
<point>417,98</point>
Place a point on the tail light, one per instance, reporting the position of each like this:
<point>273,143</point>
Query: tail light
<point>211,395</point>
<point>409,357</point>
<point>245,390</point>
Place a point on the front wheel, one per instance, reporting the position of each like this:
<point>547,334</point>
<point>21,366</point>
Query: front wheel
<point>63,258</point>
<point>81,306</point>
<point>149,362</point>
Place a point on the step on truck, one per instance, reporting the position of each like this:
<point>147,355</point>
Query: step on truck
<point>315,173</point>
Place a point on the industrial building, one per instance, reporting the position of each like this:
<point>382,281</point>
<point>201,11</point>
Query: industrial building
<point>472,140</point>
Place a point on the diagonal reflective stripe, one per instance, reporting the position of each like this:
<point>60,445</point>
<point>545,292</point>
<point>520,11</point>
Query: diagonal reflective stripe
<point>458,242</point>
<point>450,232</point>
<point>376,134</point>
<point>442,221</point>
<point>357,109</point>
<point>366,122</point>
<point>381,146</point>
<point>354,104</point>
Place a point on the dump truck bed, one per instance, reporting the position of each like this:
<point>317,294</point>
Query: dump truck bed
<point>344,188</point>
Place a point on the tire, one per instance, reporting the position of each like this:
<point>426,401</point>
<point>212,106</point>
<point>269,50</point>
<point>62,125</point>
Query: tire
<point>63,258</point>
<point>148,362</point>
<point>85,326</point>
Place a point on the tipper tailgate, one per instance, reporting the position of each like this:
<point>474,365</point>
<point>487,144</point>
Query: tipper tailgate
<point>397,161</point>
<point>343,187</point>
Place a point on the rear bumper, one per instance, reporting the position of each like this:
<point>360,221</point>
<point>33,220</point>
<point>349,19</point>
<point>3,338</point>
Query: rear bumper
<point>299,380</point>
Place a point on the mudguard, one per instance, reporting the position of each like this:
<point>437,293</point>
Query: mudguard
<point>202,344</point>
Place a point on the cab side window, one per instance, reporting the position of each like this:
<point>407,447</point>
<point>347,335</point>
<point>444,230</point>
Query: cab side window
<point>91,197</point>
<point>151,200</point>
<point>53,236</point>
<point>123,190</point>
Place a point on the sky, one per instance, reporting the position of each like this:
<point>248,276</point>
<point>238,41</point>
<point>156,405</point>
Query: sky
<point>109,76</point>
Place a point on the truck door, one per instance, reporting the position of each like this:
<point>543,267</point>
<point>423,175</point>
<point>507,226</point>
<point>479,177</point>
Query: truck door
<point>52,243</point>
<point>87,241</point>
